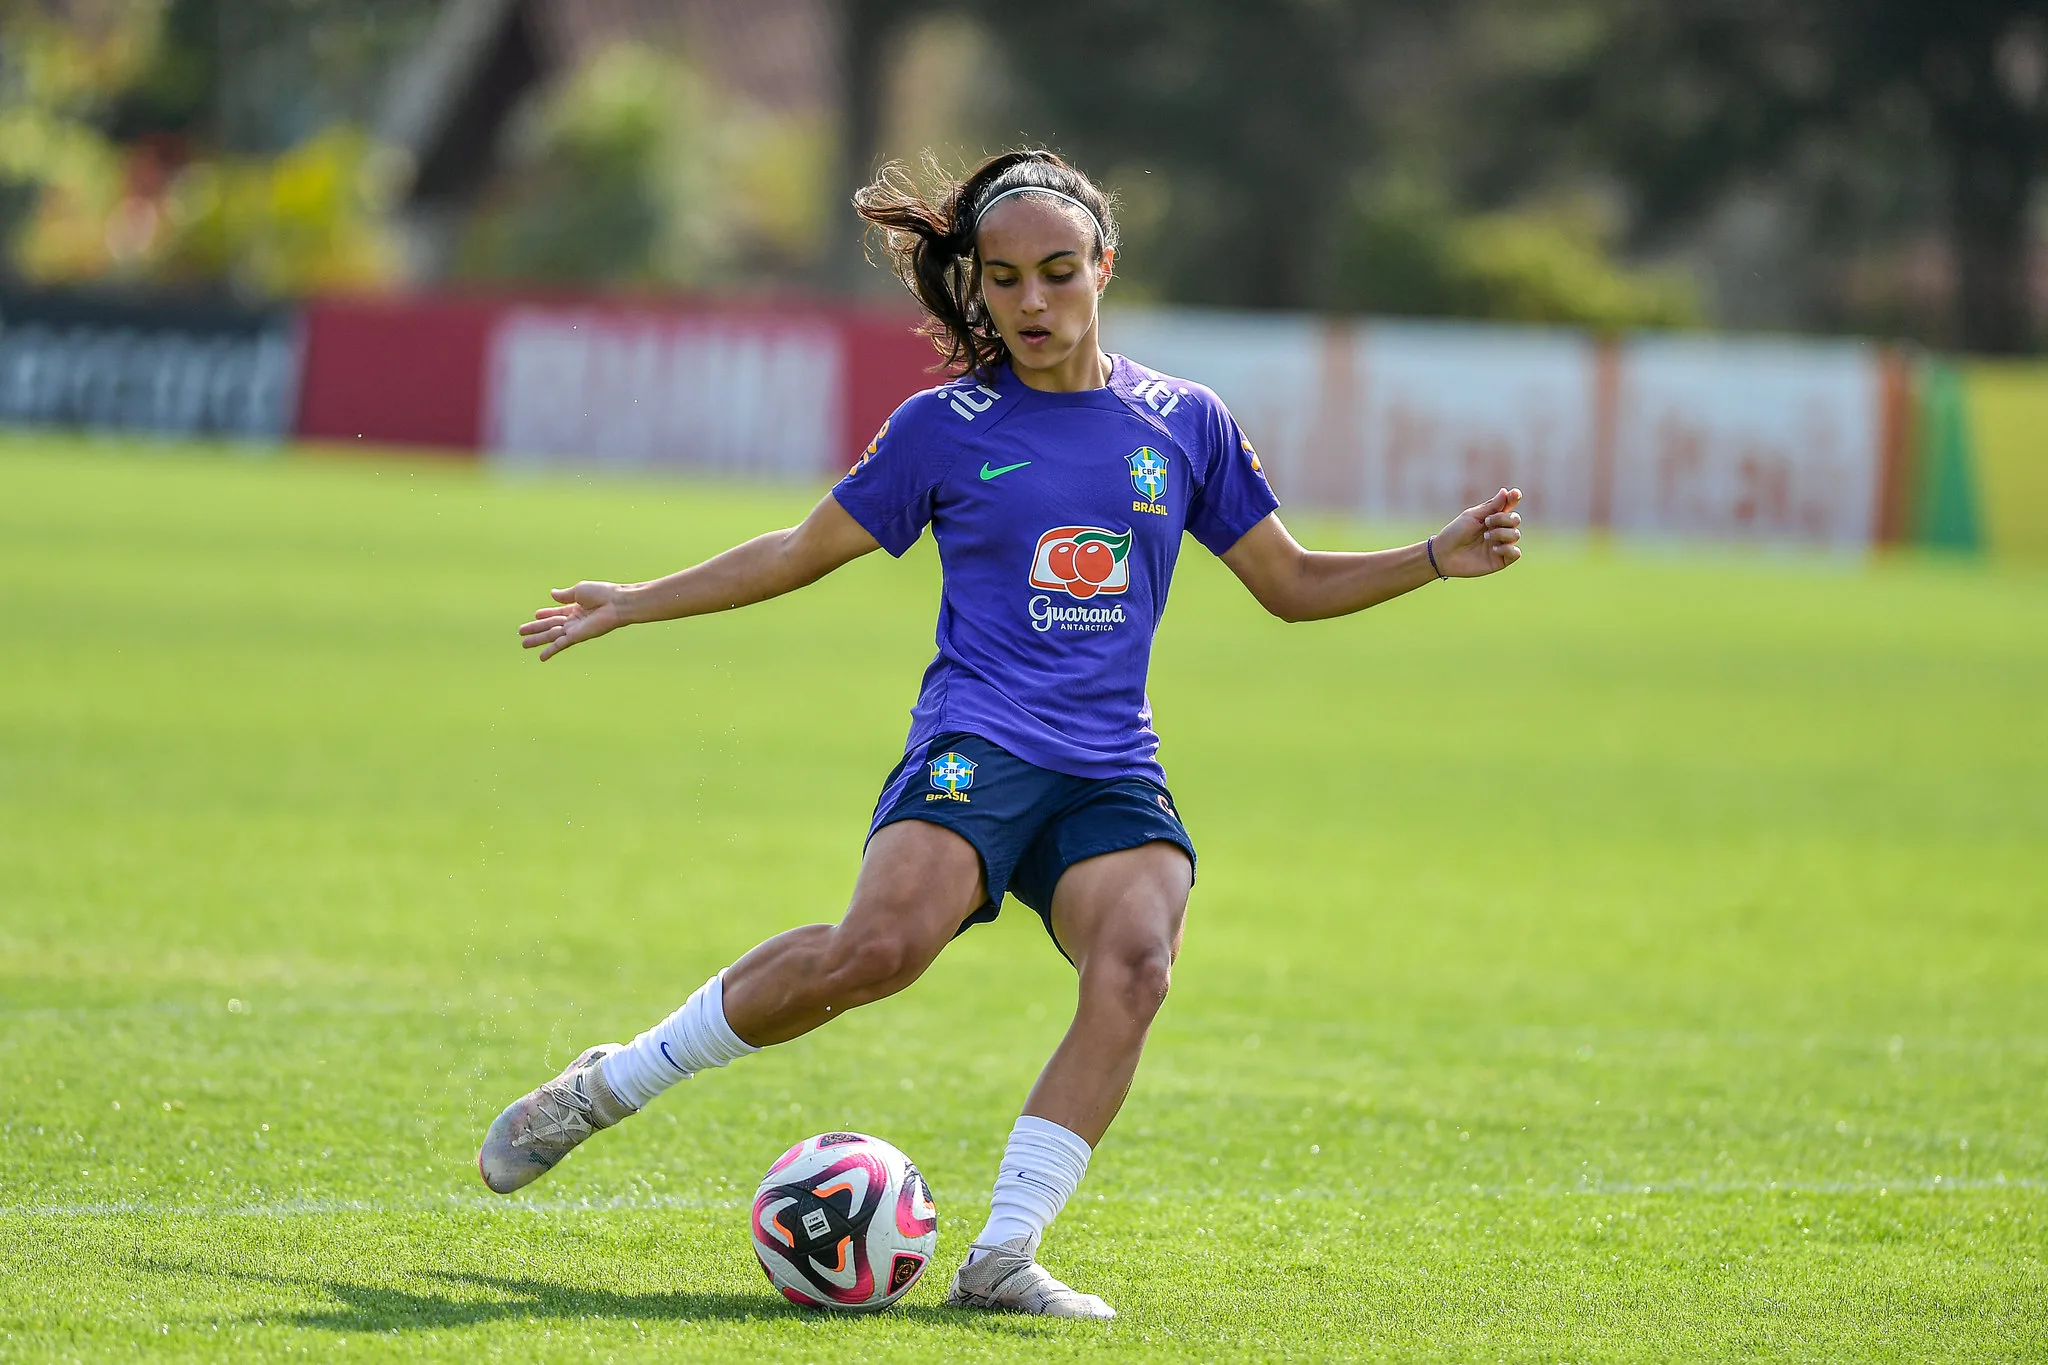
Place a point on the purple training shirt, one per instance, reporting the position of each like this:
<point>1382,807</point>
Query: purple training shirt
<point>1058,518</point>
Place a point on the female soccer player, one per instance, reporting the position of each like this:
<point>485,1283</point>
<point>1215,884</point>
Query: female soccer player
<point>1057,480</point>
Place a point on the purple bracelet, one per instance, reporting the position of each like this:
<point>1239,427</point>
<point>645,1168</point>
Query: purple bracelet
<point>1429,548</point>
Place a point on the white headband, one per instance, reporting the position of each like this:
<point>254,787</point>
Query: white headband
<point>1100,236</point>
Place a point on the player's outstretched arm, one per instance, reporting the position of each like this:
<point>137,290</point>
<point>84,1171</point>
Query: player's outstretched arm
<point>1296,584</point>
<point>764,567</point>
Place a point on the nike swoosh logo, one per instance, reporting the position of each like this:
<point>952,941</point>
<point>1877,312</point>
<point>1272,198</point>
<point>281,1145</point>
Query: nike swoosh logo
<point>987,473</point>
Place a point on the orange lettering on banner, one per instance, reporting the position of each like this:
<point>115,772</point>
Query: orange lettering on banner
<point>1335,457</point>
<point>1411,446</point>
<point>1681,451</point>
<point>1763,479</point>
<point>1487,466</point>
<point>1606,414</point>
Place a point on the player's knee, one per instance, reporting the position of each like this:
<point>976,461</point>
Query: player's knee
<point>1138,978</point>
<point>1151,979</point>
<point>877,963</point>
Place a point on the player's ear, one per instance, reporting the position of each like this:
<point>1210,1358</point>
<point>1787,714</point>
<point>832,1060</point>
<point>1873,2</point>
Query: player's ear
<point>1104,268</point>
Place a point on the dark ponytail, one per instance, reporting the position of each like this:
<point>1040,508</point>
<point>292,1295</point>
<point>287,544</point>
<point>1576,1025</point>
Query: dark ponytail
<point>931,244</point>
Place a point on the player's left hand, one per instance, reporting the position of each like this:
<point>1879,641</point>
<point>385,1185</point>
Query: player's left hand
<point>1481,540</point>
<point>588,610</point>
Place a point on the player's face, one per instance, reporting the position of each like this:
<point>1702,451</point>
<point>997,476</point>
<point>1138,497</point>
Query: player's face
<point>1040,278</point>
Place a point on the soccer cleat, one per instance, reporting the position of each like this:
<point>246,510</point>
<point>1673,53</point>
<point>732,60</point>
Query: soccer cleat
<point>1009,1278</point>
<point>534,1133</point>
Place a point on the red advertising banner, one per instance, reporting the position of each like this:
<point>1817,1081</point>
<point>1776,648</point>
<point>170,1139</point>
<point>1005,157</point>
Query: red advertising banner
<point>886,362</point>
<point>395,371</point>
<point>788,391</point>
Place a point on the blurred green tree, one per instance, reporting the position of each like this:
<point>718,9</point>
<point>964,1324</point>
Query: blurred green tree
<point>1242,137</point>
<point>1245,116</point>
<point>870,32</point>
<point>1683,101</point>
<point>1255,145</point>
<point>117,145</point>
<point>636,171</point>
<point>57,81</point>
<point>599,183</point>
<point>1408,251</point>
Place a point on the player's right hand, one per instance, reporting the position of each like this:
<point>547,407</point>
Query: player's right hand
<point>588,610</point>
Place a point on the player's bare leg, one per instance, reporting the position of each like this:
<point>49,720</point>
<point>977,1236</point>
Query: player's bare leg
<point>1119,917</point>
<point>917,883</point>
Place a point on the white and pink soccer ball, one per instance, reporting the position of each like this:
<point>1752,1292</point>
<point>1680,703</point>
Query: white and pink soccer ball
<point>844,1221</point>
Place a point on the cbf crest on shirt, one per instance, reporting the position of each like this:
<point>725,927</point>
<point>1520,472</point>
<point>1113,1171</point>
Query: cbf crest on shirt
<point>1058,518</point>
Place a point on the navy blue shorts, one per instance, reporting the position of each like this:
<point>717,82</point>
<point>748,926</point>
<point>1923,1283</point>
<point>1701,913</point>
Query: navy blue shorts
<point>1029,824</point>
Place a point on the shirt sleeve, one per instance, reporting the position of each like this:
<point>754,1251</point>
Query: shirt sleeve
<point>891,489</point>
<point>1232,495</point>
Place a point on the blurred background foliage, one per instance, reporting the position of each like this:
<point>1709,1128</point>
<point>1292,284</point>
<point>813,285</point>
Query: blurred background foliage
<point>1816,165</point>
<point>637,171</point>
<point>1410,251</point>
<point>126,158</point>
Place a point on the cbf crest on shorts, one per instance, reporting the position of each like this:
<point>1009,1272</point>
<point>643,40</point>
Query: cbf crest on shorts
<point>952,775</point>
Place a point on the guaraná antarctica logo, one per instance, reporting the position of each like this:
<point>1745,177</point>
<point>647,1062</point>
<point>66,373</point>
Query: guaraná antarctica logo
<point>1082,562</point>
<point>952,775</point>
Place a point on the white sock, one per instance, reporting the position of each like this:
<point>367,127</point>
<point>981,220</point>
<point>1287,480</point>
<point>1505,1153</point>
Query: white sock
<point>1041,1169</point>
<point>694,1038</point>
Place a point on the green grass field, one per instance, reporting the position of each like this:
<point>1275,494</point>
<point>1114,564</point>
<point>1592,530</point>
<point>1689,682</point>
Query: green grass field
<point>1639,956</point>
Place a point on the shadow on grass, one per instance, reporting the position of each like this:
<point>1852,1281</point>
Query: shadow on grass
<point>361,1308</point>
<point>377,1307</point>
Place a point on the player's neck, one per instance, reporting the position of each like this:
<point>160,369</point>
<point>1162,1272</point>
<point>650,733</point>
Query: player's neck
<point>1084,368</point>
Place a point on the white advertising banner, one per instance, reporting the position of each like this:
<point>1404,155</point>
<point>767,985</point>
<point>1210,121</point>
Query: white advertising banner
<point>1390,419</point>
<point>1749,439</point>
<point>757,395</point>
<point>1448,414</point>
<point>1723,438</point>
